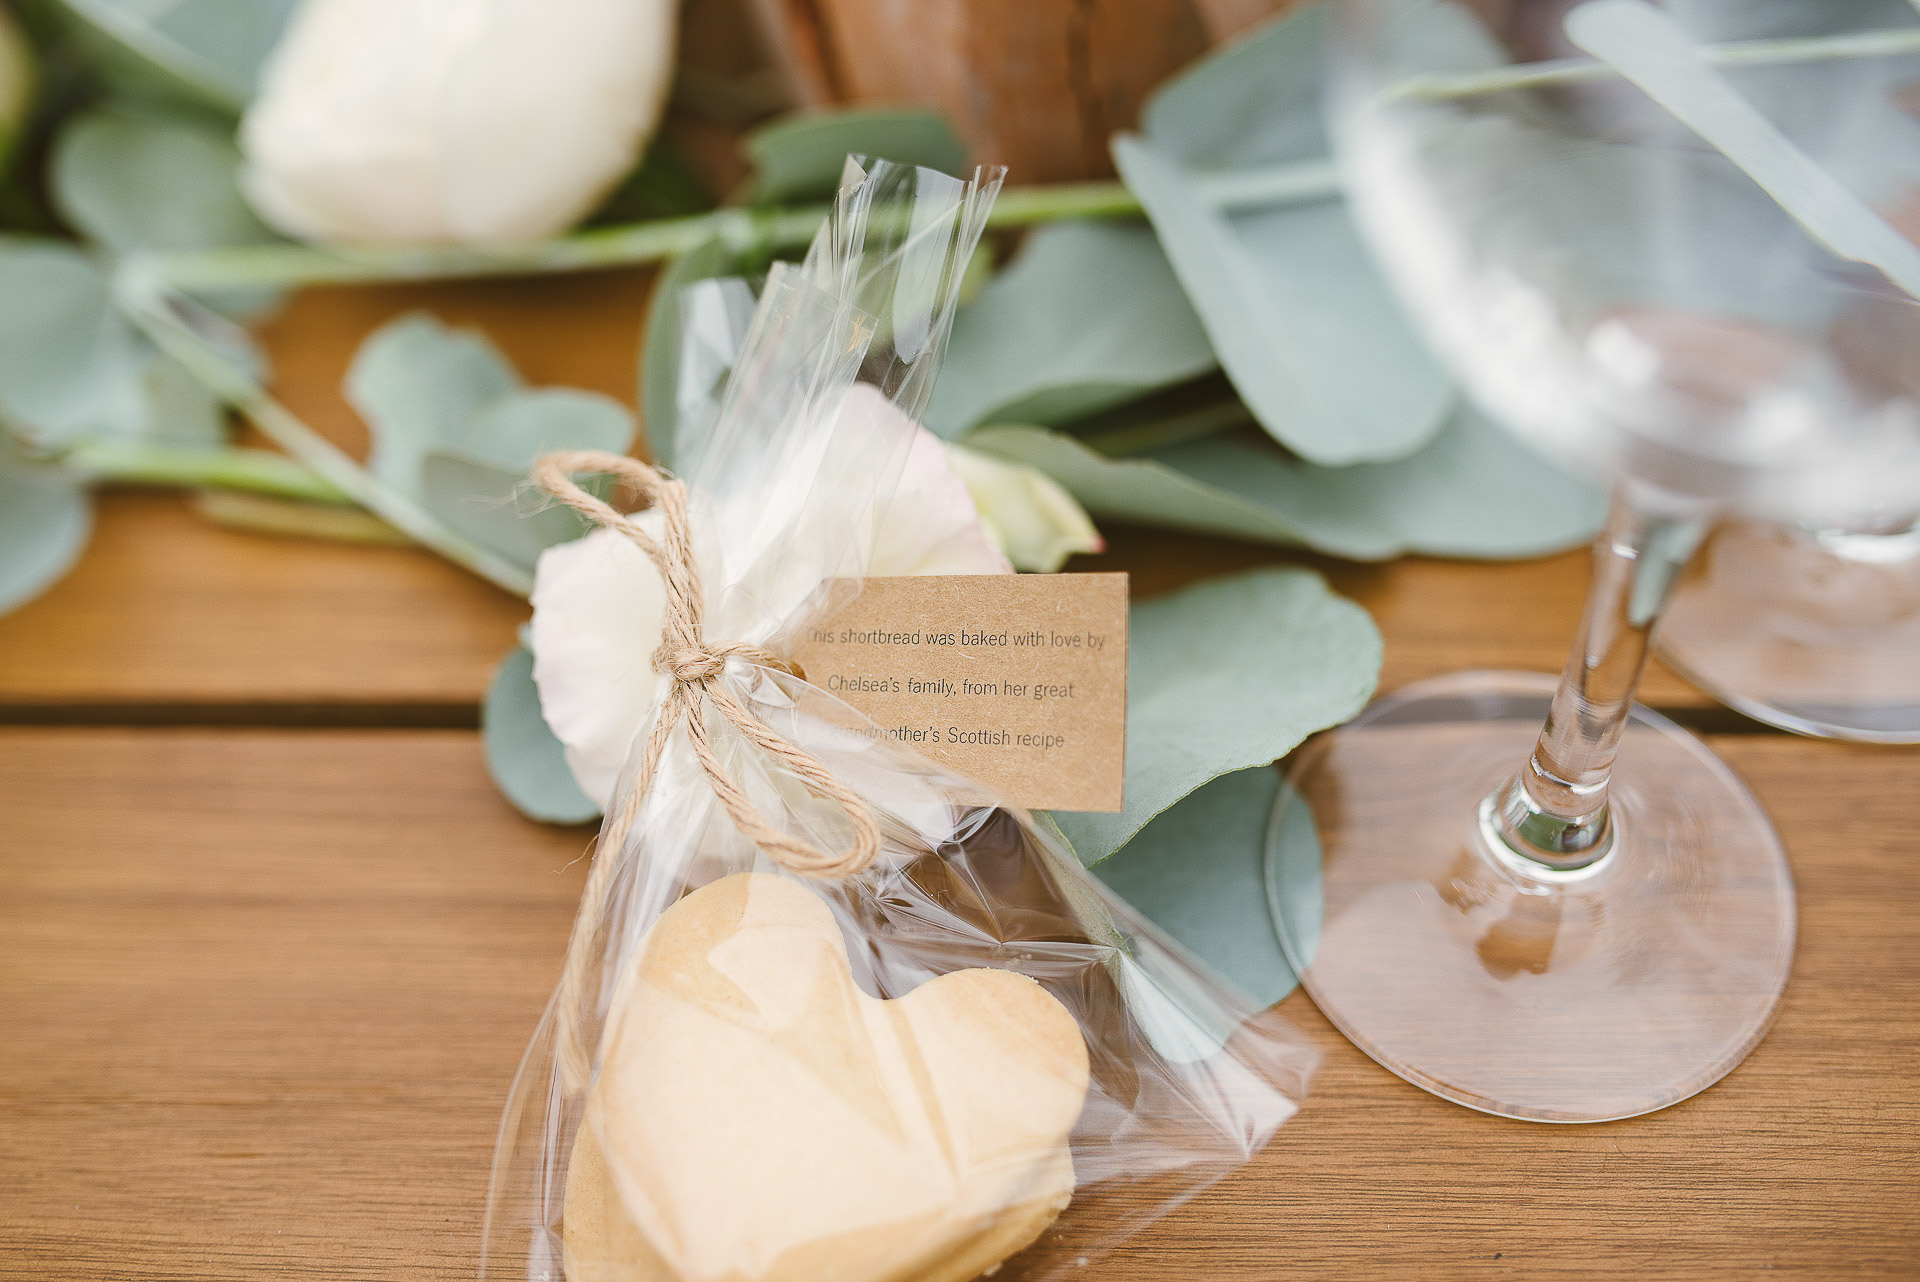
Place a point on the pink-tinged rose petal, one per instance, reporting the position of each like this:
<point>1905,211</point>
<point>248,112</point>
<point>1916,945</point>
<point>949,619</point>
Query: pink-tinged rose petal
<point>931,525</point>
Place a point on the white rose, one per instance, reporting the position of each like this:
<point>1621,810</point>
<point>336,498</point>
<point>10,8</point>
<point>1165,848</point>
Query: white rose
<point>16,82</point>
<point>1035,522</point>
<point>453,121</point>
<point>598,603</point>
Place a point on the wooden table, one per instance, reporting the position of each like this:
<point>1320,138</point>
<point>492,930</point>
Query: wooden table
<point>271,945</point>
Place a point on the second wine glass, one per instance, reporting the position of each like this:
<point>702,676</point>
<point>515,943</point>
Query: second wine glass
<point>1624,228</point>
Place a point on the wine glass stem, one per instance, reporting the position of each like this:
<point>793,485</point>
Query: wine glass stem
<point>1554,812</point>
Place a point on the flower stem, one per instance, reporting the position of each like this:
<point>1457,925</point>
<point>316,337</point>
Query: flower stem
<point>252,471</point>
<point>266,515</point>
<point>254,266</point>
<point>176,325</point>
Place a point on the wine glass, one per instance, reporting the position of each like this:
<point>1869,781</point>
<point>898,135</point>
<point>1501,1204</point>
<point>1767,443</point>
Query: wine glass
<point>1817,630</point>
<point>1630,231</point>
<point>1813,630</point>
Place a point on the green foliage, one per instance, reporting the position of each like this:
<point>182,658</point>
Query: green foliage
<point>45,516</point>
<point>526,761</point>
<point>71,368</point>
<point>1302,321</point>
<point>454,429</point>
<point>1086,317</point>
<point>204,53</point>
<point>1228,674</point>
<point>799,157</point>
<point>1472,492</point>
<point>1198,871</point>
<point>134,181</point>
<point>671,384</point>
<point>662,185</point>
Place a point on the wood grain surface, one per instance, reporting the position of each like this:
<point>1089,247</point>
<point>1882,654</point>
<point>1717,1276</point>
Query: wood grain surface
<point>262,989</point>
<point>263,993</point>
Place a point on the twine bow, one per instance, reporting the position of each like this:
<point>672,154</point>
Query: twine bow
<point>695,666</point>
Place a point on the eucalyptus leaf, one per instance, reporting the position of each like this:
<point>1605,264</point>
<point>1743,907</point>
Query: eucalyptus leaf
<point>1198,871</point>
<point>496,506</point>
<point>1302,321</point>
<point>135,182</point>
<point>800,156</point>
<point>453,427</point>
<point>1225,675</point>
<point>45,517</point>
<point>208,52</point>
<point>72,368</point>
<point>689,347</point>
<point>1300,318</point>
<point>66,358</point>
<point>1473,492</point>
<point>176,407</point>
<point>1088,316</point>
<point>515,430</point>
<point>524,758</point>
<point>419,385</point>
<point>1250,103</point>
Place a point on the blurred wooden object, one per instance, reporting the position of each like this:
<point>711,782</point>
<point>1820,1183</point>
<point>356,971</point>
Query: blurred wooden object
<point>1036,85</point>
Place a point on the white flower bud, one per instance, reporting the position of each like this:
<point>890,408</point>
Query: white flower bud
<point>1035,522</point>
<point>453,121</point>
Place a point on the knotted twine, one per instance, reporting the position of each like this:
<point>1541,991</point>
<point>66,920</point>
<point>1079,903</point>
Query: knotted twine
<point>695,666</point>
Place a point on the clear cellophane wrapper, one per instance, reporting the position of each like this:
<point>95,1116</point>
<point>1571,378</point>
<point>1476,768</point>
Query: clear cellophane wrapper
<point>967,1051</point>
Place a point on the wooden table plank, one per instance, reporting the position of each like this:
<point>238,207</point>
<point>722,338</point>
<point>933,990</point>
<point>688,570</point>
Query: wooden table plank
<point>262,994</point>
<point>169,613</point>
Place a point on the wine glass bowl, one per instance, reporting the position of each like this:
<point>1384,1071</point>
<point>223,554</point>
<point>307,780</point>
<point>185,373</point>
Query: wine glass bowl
<point>1647,255</point>
<point>1616,290</point>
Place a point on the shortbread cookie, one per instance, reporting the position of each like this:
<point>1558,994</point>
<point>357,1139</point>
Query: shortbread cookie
<point>601,1244</point>
<point>773,1123</point>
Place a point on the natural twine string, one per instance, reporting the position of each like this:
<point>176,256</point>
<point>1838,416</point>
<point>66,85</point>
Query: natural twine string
<point>695,667</point>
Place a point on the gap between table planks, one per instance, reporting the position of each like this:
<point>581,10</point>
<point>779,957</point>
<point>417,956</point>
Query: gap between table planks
<point>169,619</point>
<point>263,993</point>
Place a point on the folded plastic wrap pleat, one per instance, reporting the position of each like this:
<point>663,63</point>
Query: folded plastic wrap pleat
<point>966,1055</point>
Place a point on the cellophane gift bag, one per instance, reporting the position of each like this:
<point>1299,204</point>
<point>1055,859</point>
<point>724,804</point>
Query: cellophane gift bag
<point>830,1011</point>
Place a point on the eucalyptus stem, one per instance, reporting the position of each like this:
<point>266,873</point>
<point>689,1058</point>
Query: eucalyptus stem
<point>252,471</point>
<point>262,514</point>
<point>1742,53</point>
<point>170,320</point>
<point>744,229</point>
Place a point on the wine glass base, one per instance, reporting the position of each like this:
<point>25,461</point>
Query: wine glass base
<point>1584,998</point>
<point>1815,634</point>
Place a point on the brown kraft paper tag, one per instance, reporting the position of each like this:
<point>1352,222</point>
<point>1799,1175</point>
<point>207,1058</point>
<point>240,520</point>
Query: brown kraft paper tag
<point>1018,681</point>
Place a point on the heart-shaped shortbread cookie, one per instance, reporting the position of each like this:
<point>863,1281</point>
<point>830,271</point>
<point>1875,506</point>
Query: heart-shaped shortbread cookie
<point>768,1121</point>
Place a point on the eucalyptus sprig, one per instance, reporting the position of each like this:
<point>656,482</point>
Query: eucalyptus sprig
<point>754,231</point>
